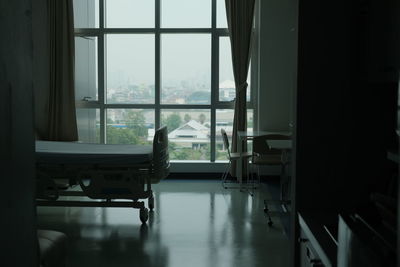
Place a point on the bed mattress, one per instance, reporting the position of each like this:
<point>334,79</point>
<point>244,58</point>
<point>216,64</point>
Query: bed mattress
<point>84,153</point>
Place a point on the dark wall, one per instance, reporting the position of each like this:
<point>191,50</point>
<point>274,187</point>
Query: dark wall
<point>346,101</point>
<point>18,221</point>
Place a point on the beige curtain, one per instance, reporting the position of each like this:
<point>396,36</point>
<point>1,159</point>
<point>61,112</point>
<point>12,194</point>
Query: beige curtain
<point>240,16</point>
<point>62,124</point>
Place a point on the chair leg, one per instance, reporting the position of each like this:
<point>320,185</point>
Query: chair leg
<point>285,184</point>
<point>255,177</point>
<point>253,186</point>
<point>251,180</point>
<point>266,211</point>
<point>248,171</point>
<point>225,175</point>
<point>281,181</point>
<point>242,187</point>
<point>257,180</point>
<point>252,177</point>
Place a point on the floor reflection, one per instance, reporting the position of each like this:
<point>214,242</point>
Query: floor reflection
<point>195,223</point>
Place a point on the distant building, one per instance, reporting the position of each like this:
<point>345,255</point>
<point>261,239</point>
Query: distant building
<point>190,135</point>
<point>227,90</point>
<point>195,135</point>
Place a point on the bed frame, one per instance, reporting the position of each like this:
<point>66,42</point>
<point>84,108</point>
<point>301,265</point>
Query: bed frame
<point>107,185</point>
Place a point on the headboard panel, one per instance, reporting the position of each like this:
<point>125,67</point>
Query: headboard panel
<point>161,163</point>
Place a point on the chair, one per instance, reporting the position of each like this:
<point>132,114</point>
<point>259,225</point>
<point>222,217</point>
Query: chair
<point>263,155</point>
<point>231,157</point>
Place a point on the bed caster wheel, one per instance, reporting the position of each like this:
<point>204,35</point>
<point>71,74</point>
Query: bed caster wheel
<point>270,223</point>
<point>144,215</point>
<point>151,203</point>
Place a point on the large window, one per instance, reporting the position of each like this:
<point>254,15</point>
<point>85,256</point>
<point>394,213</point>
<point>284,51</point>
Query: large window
<point>142,64</point>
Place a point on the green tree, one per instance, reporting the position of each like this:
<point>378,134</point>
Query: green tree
<point>202,153</point>
<point>136,121</point>
<point>134,133</point>
<point>202,118</point>
<point>181,154</point>
<point>171,146</point>
<point>121,136</point>
<point>187,118</point>
<point>173,121</point>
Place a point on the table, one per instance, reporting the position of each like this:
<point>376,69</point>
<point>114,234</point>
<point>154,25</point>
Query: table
<point>244,136</point>
<point>280,144</point>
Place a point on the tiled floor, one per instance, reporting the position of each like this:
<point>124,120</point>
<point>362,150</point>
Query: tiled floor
<point>195,223</point>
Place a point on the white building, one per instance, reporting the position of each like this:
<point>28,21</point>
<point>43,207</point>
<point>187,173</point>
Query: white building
<point>195,135</point>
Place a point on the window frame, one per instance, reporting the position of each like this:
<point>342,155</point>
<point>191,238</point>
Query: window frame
<point>215,103</point>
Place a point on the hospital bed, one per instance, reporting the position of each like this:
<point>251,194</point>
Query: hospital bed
<point>110,175</point>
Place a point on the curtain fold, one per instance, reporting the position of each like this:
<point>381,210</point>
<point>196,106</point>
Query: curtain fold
<point>240,16</point>
<point>62,125</point>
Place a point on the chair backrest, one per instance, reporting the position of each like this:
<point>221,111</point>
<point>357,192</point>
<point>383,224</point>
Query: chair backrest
<point>260,145</point>
<point>161,163</point>
<point>226,141</point>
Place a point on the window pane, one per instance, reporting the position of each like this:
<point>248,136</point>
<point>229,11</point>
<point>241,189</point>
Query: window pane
<point>86,13</point>
<point>224,120</point>
<point>189,133</point>
<point>226,78</point>
<point>86,68</point>
<point>88,121</point>
<point>130,126</point>
<point>221,14</point>
<point>130,68</point>
<point>186,13</point>
<point>186,68</point>
<point>130,13</point>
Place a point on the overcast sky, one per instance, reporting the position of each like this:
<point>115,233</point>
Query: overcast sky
<point>183,56</point>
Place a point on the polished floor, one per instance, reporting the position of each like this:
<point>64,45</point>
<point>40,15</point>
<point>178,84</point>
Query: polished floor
<point>195,223</point>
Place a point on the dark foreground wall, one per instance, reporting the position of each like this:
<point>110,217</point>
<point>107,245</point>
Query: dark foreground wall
<point>346,103</point>
<point>17,211</point>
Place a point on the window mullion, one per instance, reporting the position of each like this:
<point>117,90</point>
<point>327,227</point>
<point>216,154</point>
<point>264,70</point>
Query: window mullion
<point>102,14</point>
<point>101,72</point>
<point>214,78</point>
<point>184,106</point>
<point>157,57</point>
<point>214,14</point>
